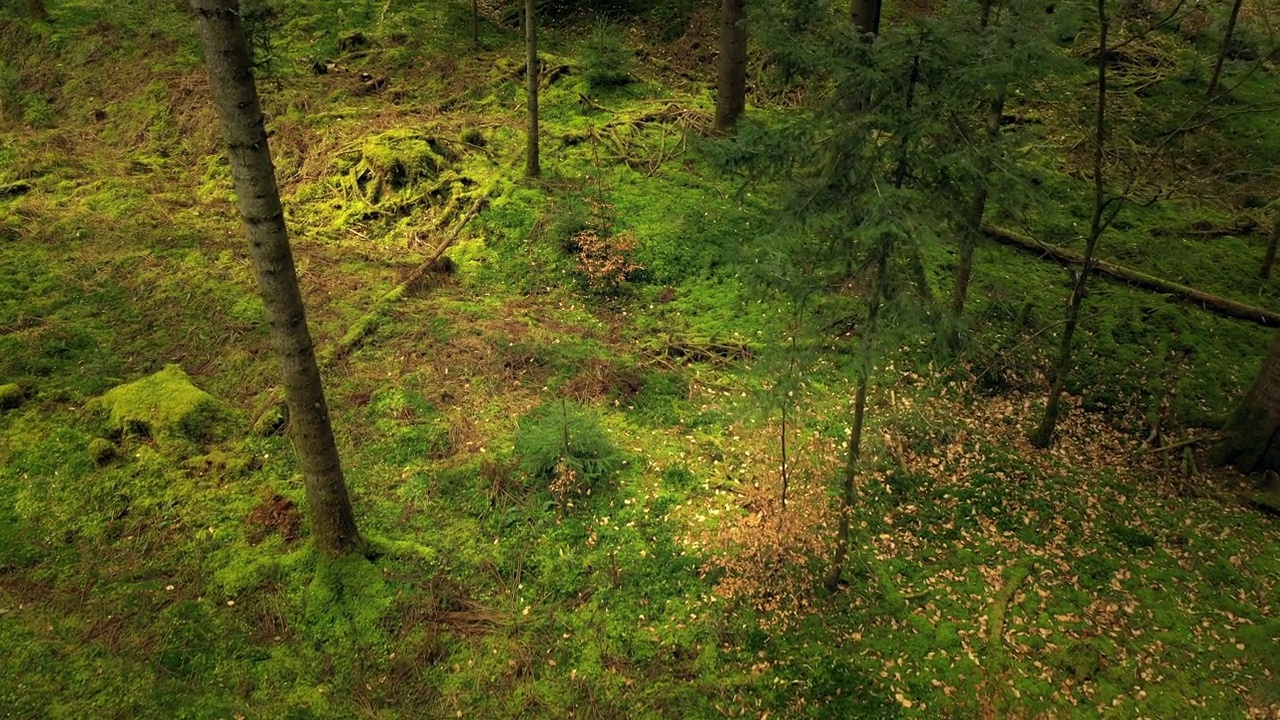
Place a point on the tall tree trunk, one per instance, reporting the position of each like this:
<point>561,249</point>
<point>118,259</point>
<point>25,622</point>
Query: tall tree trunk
<point>1270,257</point>
<point>333,525</point>
<point>866,15</point>
<point>1043,435</point>
<point>1226,44</point>
<point>731,85</point>
<point>475,23</point>
<point>978,205</point>
<point>879,293</point>
<point>1253,442</point>
<point>533,167</point>
<point>37,10</point>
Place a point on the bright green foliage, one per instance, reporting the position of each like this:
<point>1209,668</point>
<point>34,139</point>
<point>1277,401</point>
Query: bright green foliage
<point>162,405</point>
<point>11,396</point>
<point>563,438</point>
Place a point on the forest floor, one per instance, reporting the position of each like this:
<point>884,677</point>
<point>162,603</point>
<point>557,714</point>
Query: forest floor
<point>158,576</point>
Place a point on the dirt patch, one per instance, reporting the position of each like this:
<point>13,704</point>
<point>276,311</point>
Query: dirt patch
<point>276,514</point>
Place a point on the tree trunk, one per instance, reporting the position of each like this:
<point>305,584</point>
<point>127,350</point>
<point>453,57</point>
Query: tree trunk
<point>866,15</point>
<point>37,10</point>
<point>475,23</point>
<point>1043,435</point>
<point>333,525</point>
<point>1253,440</point>
<point>731,85</point>
<point>1226,43</point>
<point>977,209</point>
<point>533,168</point>
<point>1270,257</point>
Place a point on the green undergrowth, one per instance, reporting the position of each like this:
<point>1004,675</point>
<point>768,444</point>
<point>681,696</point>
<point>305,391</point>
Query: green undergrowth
<point>147,572</point>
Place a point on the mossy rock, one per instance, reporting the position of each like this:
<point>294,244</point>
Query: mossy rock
<point>165,405</point>
<point>11,396</point>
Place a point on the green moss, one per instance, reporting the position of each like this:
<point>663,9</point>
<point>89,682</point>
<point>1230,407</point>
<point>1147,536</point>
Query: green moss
<point>11,396</point>
<point>164,405</point>
<point>102,451</point>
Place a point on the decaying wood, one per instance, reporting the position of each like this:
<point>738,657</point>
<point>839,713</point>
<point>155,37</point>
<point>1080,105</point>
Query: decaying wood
<point>1215,303</point>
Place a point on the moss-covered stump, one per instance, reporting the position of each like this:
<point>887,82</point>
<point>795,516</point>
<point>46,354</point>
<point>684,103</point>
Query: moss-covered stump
<point>164,405</point>
<point>11,396</point>
<point>102,452</point>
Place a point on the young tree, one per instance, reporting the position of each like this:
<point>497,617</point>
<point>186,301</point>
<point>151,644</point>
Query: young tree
<point>731,83</point>
<point>235,95</point>
<point>533,167</point>
<point>1226,45</point>
<point>1043,435</point>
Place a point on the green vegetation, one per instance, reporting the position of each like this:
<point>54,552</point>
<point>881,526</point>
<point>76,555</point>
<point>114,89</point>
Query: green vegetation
<point>564,450</point>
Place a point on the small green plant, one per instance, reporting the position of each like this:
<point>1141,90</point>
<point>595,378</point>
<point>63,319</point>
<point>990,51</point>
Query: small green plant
<point>565,446</point>
<point>606,58</point>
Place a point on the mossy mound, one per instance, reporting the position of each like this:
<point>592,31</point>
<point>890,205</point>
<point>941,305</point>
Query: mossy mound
<point>395,160</point>
<point>164,405</point>
<point>11,396</point>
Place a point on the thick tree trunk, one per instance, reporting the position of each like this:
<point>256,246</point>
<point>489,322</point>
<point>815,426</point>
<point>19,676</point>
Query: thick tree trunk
<point>1226,45</point>
<point>1269,259</point>
<point>333,525</point>
<point>1253,433</point>
<point>1043,435</point>
<point>37,10</point>
<point>866,15</point>
<point>533,167</point>
<point>731,84</point>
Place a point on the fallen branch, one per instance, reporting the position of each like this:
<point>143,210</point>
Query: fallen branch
<point>1215,303</point>
<point>1211,437</point>
<point>1017,574</point>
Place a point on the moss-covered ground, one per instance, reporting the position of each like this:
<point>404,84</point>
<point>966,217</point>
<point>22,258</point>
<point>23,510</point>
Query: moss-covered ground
<point>146,573</point>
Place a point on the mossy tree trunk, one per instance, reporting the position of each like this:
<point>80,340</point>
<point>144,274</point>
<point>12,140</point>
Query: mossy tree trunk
<point>731,83</point>
<point>1226,45</point>
<point>38,10</point>
<point>1042,437</point>
<point>235,95</point>
<point>1253,440</point>
<point>1270,258</point>
<point>533,166</point>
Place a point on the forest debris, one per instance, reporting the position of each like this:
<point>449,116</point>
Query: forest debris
<point>1205,229</point>
<point>701,351</point>
<point>276,514</point>
<point>1017,574</point>
<point>1215,303</point>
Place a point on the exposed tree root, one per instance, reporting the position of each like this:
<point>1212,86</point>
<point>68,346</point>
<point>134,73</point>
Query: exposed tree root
<point>1215,303</point>
<point>1016,575</point>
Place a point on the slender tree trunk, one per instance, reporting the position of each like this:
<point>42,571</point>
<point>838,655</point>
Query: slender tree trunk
<point>475,23</point>
<point>978,205</point>
<point>731,85</point>
<point>533,168</point>
<point>1043,435</point>
<point>333,525</point>
<point>1226,44</point>
<point>866,15</point>
<point>1270,257</point>
<point>1253,442</point>
<point>37,10</point>
<point>879,293</point>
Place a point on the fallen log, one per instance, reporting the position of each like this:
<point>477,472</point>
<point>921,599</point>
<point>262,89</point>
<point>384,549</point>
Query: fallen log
<point>1215,303</point>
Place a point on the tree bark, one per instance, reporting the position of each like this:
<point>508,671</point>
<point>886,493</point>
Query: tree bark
<point>533,167</point>
<point>37,10</point>
<point>977,209</point>
<point>1252,442</point>
<point>866,15</point>
<point>731,84</point>
<point>1042,437</point>
<point>1226,43</point>
<point>1270,257</point>
<point>475,23</point>
<point>333,525</point>
<point>1225,307</point>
